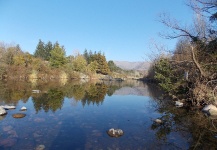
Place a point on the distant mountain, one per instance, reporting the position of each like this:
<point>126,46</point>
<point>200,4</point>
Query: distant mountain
<point>126,65</point>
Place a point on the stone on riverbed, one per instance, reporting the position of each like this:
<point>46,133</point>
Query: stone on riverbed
<point>40,147</point>
<point>19,115</point>
<point>2,111</point>
<point>158,121</point>
<point>23,108</point>
<point>210,110</point>
<point>8,107</point>
<point>115,132</point>
<point>179,104</point>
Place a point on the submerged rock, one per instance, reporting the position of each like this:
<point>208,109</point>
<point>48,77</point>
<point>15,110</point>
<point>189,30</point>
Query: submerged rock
<point>40,147</point>
<point>19,115</point>
<point>8,107</point>
<point>23,108</point>
<point>7,128</point>
<point>210,110</point>
<point>158,121</point>
<point>179,104</point>
<point>2,117</point>
<point>9,142</point>
<point>115,132</point>
<point>2,111</point>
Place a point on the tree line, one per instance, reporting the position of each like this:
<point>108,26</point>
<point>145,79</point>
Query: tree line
<point>50,61</point>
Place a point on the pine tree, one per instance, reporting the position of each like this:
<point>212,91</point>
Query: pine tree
<point>48,49</point>
<point>57,58</point>
<point>40,50</point>
<point>103,67</point>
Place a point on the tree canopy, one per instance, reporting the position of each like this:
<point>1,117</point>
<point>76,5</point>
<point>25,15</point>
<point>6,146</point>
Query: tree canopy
<point>57,58</point>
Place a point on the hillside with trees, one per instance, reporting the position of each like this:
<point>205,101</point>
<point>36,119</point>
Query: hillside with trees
<point>49,61</point>
<point>189,73</point>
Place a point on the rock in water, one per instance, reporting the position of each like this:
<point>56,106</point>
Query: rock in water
<point>8,107</point>
<point>115,132</point>
<point>19,115</point>
<point>210,110</point>
<point>179,104</point>
<point>40,147</point>
<point>158,121</point>
<point>23,108</point>
<point>2,111</point>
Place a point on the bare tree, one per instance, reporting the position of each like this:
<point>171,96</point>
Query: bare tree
<point>200,44</point>
<point>178,31</point>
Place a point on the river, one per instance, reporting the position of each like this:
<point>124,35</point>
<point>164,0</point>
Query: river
<point>77,115</point>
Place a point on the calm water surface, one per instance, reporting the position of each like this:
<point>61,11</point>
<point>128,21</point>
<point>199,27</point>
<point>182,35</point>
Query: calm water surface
<point>77,115</point>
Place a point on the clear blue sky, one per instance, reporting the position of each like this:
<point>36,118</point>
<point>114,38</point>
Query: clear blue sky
<point>122,29</point>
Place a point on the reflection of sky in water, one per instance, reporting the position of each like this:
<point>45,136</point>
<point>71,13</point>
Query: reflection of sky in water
<point>75,126</point>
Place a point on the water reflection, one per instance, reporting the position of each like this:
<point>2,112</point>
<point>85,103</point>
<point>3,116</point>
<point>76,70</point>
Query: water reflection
<point>192,124</point>
<point>51,96</point>
<point>95,94</point>
<point>131,106</point>
<point>51,100</point>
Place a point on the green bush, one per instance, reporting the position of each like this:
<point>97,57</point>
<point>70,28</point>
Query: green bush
<point>164,74</point>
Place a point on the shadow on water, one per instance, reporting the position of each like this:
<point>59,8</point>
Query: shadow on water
<point>82,124</point>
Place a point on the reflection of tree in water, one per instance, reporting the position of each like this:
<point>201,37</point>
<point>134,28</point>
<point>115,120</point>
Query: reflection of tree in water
<point>154,91</point>
<point>163,129</point>
<point>95,94</point>
<point>111,89</point>
<point>190,123</point>
<point>52,93</point>
<point>199,129</point>
<point>13,91</point>
<point>78,91</point>
<point>52,100</point>
<point>203,132</point>
<point>91,93</point>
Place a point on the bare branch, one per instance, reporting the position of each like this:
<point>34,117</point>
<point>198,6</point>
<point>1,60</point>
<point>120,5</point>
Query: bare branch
<point>203,74</point>
<point>178,31</point>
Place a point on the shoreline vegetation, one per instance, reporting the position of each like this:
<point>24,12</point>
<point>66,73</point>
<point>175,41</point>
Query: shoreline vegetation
<point>49,62</point>
<point>189,73</point>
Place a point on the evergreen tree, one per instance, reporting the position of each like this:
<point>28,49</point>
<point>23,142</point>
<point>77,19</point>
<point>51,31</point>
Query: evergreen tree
<point>18,49</point>
<point>86,55</point>
<point>103,67</point>
<point>48,49</point>
<point>40,50</point>
<point>57,58</point>
<point>112,66</point>
<point>92,67</point>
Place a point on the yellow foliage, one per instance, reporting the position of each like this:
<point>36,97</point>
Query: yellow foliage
<point>63,78</point>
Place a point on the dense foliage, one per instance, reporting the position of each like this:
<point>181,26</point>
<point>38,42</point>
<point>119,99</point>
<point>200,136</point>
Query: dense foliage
<point>190,72</point>
<point>50,61</point>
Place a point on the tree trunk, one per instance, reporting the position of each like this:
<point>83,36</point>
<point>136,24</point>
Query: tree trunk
<point>203,74</point>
